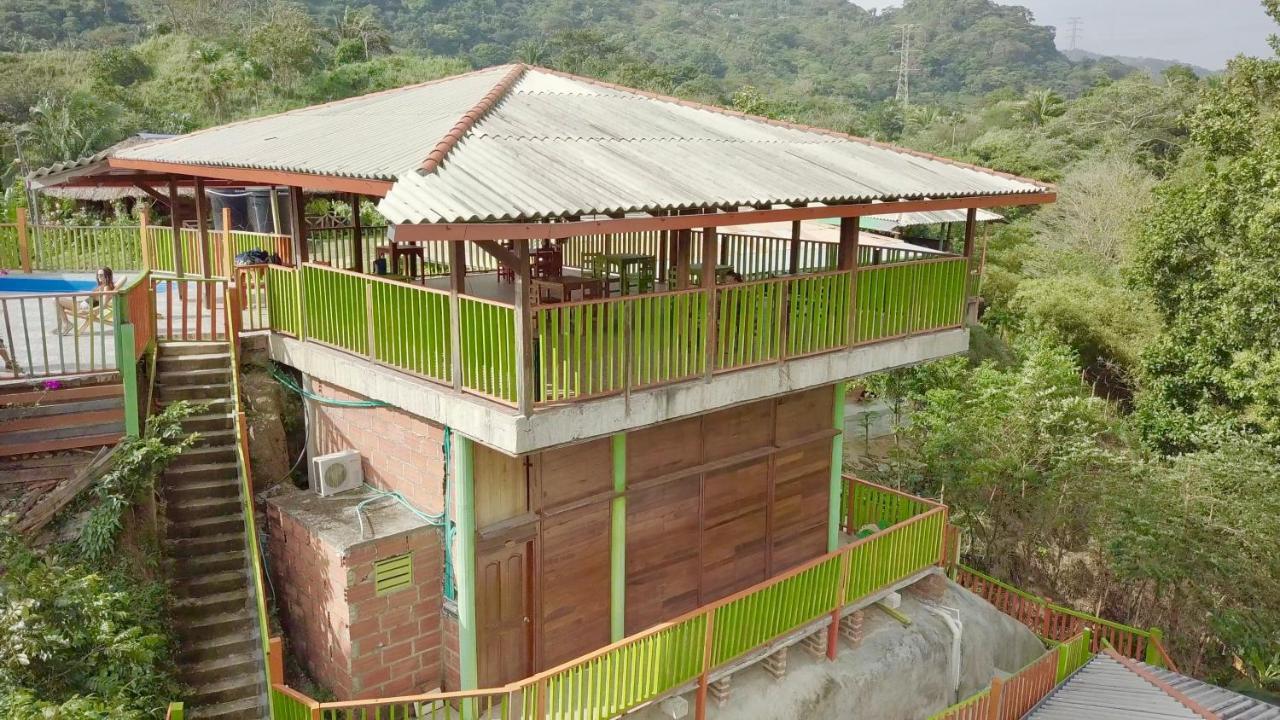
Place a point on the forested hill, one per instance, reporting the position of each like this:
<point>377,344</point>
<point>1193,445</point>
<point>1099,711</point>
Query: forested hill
<point>823,47</point>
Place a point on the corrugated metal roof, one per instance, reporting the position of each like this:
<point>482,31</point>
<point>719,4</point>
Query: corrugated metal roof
<point>88,161</point>
<point>556,146</point>
<point>933,217</point>
<point>1106,690</point>
<point>376,136</point>
<point>1224,703</point>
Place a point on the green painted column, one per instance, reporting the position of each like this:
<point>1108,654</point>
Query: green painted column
<point>464,569</point>
<point>618,541</point>
<point>129,379</point>
<point>834,505</point>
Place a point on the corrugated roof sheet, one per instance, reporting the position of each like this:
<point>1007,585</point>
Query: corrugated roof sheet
<point>1222,702</point>
<point>1105,689</point>
<point>933,217</point>
<point>375,136</point>
<point>87,161</point>
<point>556,146</point>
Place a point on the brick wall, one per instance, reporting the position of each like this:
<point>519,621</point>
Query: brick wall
<point>449,650</point>
<point>401,451</point>
<point>351,640</point>
<point>310,588</point>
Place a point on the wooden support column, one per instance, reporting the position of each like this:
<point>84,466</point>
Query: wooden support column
<point>175,224</point>
<point>457,288</point>
<point>793,262</point>
<point>524,330</point>
<point>835,504</point>
<point>202,227</point>
<point>684,245</point>
<point>24,243</point>
<point>357,234</point>
<point>464,567</point>
<point>298,224</point>
<point>970,300</point>
<point>709,257</point>
<point>847,259</point>
<point>618,541</point>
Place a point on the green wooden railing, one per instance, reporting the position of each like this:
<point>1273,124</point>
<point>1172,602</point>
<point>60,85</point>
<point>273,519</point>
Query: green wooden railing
<point>411,328</point>
<point>668,337</point>
<point>488,348</point>
<point>10,253</point>
<point>1012,698</point>
<point>818,312</point>
<point>82,248</point>
<point>283,310</point>
<point>582,349</point>
<point>894,300</point>
<point>337,309</point>
<point>878,506</point>
<point>687,649</point>
<point>749,323</point>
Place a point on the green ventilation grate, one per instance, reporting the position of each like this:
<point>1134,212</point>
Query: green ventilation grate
<point>393,573</point>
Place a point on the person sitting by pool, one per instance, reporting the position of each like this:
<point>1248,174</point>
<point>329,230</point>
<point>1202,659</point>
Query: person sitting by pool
<point>71,308</point>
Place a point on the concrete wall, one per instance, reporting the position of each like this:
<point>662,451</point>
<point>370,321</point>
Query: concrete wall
<point>400,451</point>
<point>502,428</point>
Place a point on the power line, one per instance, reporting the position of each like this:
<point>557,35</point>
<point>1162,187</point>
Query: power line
<point>1074,23</point>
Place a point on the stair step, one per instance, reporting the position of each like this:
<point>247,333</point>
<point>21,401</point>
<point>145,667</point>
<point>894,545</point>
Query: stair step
<point>193,392</point>
<point>177,376</point>
<point>212,584</point>
<point>208,423</point>
<point>243,709</point>
<point>182,475</point>
<point>211,455</point>
<point>221,405</point>
<point>180,493</point>
<point>201,565</point>
<point>196,650</point>
<point>186,362</point>
<point>174,348</point>
<point>226,667</point>
<point>184,510</point>
<point>235,688</point>
<point>216,438</point>
<point>218,624</point>
<point>210,603</point>
<point>197,527</point>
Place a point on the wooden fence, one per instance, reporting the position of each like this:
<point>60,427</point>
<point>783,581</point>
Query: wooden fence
<point>688,649</point>
<point>1012,698</point>
<point>1058,623</point>
<point>897,300</point>
<point>56,334</point>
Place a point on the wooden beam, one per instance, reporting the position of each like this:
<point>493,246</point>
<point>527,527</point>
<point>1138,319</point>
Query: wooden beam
<point>498,252</point>
<point>457,288</point>
<point>175,224</point>
<point>793,262</point>
<point>251,176</point>
<point>535,231</point>
<point>357,233</point>
<point>709,257</point>
<point>298,223</point>
<point>970,227</point>
<point>683,250</point>
<point>618,540</point>
<point>151,193</point>
<point>202,227</point>
<point>524,331</point>
<point>847,257</point>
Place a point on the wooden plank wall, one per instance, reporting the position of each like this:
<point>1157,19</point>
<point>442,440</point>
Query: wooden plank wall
<point>714,504</point>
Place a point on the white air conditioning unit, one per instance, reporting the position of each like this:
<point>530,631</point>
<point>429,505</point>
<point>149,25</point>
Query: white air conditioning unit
<point>336,472</point>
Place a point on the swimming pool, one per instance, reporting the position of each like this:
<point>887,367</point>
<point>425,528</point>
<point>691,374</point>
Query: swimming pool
<point>12,284</point>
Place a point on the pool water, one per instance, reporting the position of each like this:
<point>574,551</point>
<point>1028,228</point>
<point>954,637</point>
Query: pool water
<point>11,284</point>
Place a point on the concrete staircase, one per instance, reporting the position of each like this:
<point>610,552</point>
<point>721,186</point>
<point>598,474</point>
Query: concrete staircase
<point>220,655</point>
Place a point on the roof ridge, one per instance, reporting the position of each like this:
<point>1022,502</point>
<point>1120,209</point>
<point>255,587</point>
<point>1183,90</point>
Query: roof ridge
<point>470,118</point>
<point>282,113</point>
<point>797,126</point>
<point>1182,698</point>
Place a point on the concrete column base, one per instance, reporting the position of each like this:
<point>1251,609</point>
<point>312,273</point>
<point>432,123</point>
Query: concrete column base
<point>776,664</point>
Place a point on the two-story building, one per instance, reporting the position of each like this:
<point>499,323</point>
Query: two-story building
<point>596,409</point>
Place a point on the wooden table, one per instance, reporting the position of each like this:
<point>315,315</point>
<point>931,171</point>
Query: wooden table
<point>631,269</point>
<point>695,274</point>
<point>561,289</point>
<point>412,252</point>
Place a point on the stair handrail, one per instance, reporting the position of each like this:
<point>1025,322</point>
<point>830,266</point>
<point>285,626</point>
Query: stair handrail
<point>231,304</point>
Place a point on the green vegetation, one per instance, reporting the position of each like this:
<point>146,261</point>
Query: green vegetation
<point>85,621</point>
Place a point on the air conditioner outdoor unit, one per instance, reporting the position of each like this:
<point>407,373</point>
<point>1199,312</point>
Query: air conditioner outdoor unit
<point>336,472</point>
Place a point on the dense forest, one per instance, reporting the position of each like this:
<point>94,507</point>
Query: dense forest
<point>1113,438</point>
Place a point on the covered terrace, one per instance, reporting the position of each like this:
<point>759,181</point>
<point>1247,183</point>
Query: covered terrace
<point>551,238</point>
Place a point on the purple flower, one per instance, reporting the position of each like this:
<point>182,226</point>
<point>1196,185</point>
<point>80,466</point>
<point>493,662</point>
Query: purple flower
<point>52,384</point>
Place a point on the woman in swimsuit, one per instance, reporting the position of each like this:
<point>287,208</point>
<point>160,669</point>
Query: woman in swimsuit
<point>69,308</point>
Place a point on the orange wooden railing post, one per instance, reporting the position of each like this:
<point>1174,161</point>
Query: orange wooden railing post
<point>833,632</point>
<point>995,699</point>
<point>24,246</point>
<point>275,661</point>
<point>144,239</point>
<point>700,706</point>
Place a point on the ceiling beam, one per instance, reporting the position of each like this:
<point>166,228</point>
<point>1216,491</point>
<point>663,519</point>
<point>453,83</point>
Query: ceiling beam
<point>538,231</point>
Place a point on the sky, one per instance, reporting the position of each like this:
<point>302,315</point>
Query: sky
<point>1202,32</point>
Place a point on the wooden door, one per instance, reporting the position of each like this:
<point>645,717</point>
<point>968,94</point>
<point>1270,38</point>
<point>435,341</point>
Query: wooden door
<point>504,614</point>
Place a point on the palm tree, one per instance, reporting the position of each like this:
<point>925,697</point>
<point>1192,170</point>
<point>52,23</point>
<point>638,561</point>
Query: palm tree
<point>1042,105</point>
